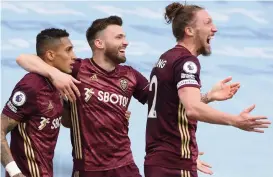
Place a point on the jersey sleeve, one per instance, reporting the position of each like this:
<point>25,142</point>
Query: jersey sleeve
<point>76,67</point>
<point>142,87</point>
<point>21,103</point>
<point>187,72</point>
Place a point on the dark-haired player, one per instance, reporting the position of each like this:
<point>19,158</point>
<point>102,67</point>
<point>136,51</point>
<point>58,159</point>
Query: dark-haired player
<point>99,133</point>
<point>171,147</point>
<point>101,146</point>
<point>34,111</point>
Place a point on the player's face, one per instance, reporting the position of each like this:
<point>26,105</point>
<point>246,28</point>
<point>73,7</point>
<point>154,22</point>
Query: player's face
<point>204,32</point>
<point>115,43</point>
<point>64,56</point>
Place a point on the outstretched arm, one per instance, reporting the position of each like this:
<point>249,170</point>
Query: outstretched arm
<point>195,109</point>
<point>33,63</point>
<point>65,83</point>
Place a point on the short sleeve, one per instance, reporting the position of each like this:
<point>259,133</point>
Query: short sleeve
<point>76,67</point>
<point>21,103</point>
<point>187,72</point>
<point>142,87</point>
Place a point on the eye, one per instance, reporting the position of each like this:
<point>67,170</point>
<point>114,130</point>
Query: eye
<point>208,21</point>
<point>119,37</point>
<point>69,49</point>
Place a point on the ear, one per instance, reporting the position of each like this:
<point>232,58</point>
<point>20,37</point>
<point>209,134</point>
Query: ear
<point>50,55</point>
<point>189,31</point>
<point>99,43</point>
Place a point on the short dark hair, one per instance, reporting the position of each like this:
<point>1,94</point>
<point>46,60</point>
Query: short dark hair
<point>180,16</point>
<point>46,38</point>
<point>99,25</point>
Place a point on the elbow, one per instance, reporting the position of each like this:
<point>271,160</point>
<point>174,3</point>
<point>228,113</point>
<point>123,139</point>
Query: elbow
<point>19,59</point>
<point>192,113</point>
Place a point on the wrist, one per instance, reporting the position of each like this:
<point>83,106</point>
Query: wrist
<point>207,97</point>
<point>233,121</point>
<point>12,169</point>
<point>210,96</point>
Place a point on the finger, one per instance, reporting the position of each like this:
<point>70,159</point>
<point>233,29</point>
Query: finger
<point>259,119</point>
<point>249,109</point>
<point>259,126</point>
<point>257,130</point>
<point>233,91</point>
<point>128,112</point>
<point>236,84</point>
<point>67,95</point>
<point>260,122</point>
<point>75,80</point>
<point>75,89</point>
<point>205,170</point>
<point>234,88</point>
<point>201,153</point>
<point>226,80</point>
<point>71,93</point>
<point>207,165</point>
<point>62,93</point>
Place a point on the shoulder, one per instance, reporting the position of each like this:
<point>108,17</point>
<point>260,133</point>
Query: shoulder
<point>126,69</point>
<point>77,65</point>
<point>31,82</point>
<point>27,87</point>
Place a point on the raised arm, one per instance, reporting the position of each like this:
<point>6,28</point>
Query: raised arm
<point>7,124</point>
<point>65,83</point>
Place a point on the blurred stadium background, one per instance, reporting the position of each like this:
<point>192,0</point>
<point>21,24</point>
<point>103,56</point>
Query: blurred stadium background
<point>242,48</point>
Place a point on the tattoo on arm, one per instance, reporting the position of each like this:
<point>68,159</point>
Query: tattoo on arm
<point>7,124</point>
<point>204,98</point>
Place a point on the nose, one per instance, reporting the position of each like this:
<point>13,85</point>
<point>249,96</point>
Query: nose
<point>73,56</point>
<point>214,29</point>
<point>125,43</point>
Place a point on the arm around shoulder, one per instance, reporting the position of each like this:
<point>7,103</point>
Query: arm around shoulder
<point>33,63</point>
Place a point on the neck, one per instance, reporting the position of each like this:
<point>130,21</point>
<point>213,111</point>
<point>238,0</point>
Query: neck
<point>190,46</point>
<point>104,62</point>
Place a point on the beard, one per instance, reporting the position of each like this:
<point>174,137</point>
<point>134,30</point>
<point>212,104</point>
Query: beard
<point>113,54</point>
<point>202,50</point>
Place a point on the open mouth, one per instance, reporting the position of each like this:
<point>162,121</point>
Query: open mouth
<point>122,51</point>
<point>209,39</point>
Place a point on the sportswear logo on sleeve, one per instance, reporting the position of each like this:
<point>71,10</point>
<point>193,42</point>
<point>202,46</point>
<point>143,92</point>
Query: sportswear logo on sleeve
<point>190,67</point>
<point>19,98</point>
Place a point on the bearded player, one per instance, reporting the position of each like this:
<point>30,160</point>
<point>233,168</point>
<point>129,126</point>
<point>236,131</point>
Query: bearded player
<point>101,146</point>
<point>175,104</point>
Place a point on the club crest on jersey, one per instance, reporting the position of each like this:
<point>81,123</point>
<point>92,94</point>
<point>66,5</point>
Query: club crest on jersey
<point>190,67</point>
<point>19,98</point>
<point>123,84</point>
